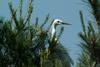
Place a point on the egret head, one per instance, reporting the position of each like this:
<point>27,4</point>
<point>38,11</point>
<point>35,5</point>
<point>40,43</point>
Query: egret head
<point>59,22</point>
<point>54,24</point>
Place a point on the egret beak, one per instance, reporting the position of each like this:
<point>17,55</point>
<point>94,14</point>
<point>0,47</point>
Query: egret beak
<point>65,23</point>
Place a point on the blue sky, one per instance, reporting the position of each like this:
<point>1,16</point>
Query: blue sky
<point>66,10</point>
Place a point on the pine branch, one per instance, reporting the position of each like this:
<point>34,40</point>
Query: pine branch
<point>82,22</point>
<point>93,32</point>
<point>36,22</point>
<point>13,13</point>
<point>20,8</point>
<point>29,12</point>
<point>46,19</point>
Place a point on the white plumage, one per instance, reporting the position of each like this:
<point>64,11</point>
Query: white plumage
<point>52,31</point>
<point>55,23</point>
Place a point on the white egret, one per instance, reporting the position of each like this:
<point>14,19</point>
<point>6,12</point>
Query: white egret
<point>52,31</point>
<point>54,24</point>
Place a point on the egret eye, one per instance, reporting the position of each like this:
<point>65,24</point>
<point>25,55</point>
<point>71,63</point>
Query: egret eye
<point>58,21</point>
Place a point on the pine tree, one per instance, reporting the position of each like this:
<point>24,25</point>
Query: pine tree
<point>23,44</point>
<point>90,56</point>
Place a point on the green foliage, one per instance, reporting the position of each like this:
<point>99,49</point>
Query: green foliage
<point>23,44</point>
<point>85,60</point>
<point>90,36</point>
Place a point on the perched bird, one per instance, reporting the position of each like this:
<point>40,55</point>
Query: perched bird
<point>52,32</point>
<point>54,24</point>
